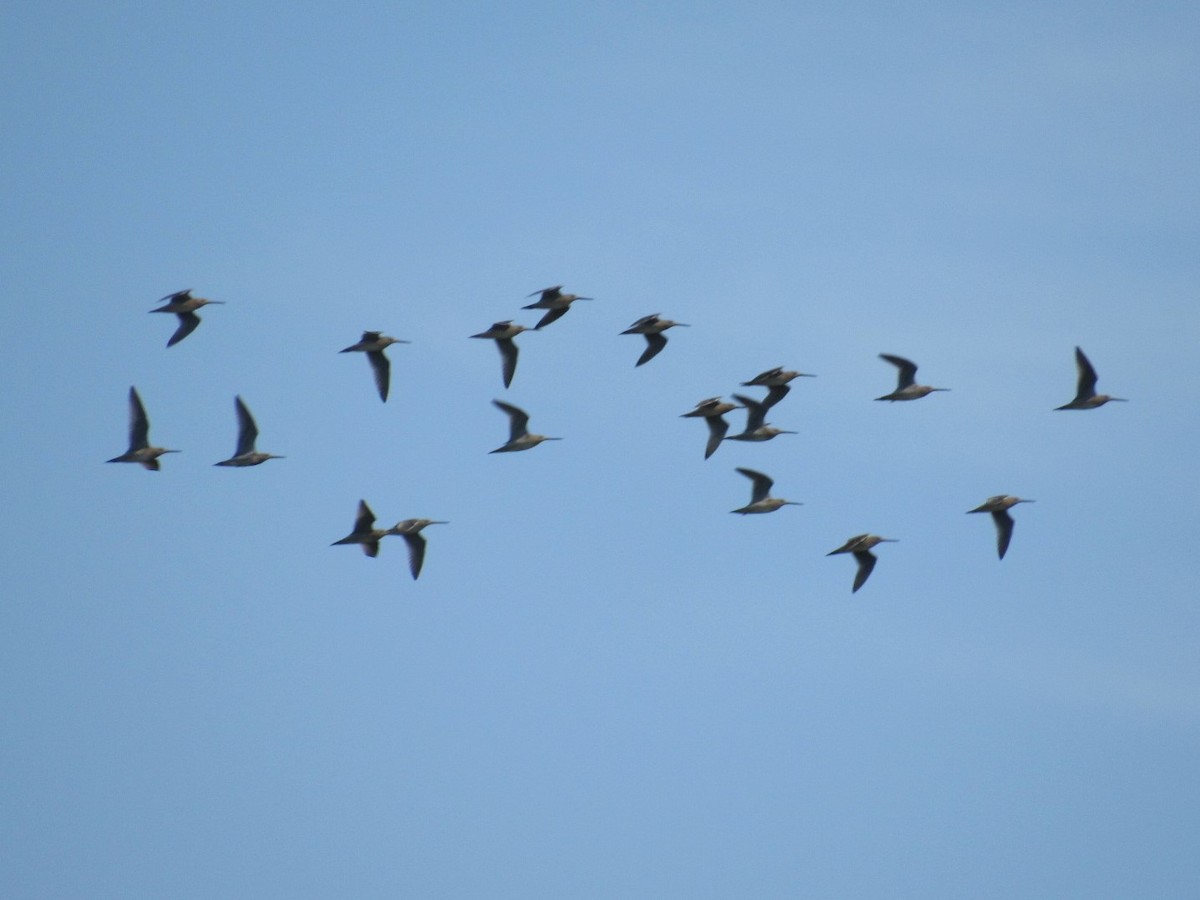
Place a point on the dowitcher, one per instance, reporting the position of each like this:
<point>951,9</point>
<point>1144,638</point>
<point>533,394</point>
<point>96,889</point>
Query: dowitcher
<point>555,302</point>
<point>140,450</point>
<point>860,545</point>
<point>184,305</point>
<point>519,437</point>
<point>1085,394</point>
<point>906,386</point>
<point>246,454</point>
<point>760,499</point>
<point>999,506</point>
<point>652,328</point>
<point>373,344</point>
<point>503,333</point>
<point>364,532</point>
<point>410,530</point>
<point>757,428</point>
<point>776,381</point>
<point>713,412</point>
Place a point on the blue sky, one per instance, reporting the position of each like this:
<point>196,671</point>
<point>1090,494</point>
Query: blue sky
<point>603,684</point>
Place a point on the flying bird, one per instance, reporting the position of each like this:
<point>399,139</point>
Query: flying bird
<point>373,344</point>
<point>860,545</point>
<point>652,328</point>
<point>906,386</point>
<point>519,437</point>
<point>140,450</point>
<point>760,499</point>
<point>365,533</point>
<point>410,530</point>
<point>246,453</point>
<point>555,302</point>
<point>1085,394</point>
<point>713,412</point>
<point>184,305</point>
<point>756,428</point>
<point>999,506</point>
<point>503,333</point>
<point>776,381</point>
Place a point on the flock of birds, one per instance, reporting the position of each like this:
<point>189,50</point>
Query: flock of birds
<point>556,304</point>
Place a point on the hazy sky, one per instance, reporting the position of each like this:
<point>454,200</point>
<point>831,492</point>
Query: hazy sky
<point>603,685</point>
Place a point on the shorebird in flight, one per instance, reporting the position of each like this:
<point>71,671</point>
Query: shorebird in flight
<point>906,386</point>
<point>410,530</point>
<point>365,533</point>
<point>761,500</point>
<point>373,344</point>
<point>140,450</point>
<point>652,328</point>
<point>503,333</point>
<point>1085,393</point>
<point>776,381</point>
<point>756,428</point>
<point>860,545</point>
<point>712,411</point>
<point>246,453</point>
<point>519,437</point>
<point>999,506</point>
<point>184,305</point>
<point>555,302</point>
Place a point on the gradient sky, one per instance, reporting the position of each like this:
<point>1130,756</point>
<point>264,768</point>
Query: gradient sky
<point>603,685</point>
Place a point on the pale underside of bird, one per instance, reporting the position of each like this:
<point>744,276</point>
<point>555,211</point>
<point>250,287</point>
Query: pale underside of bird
<point>555,302</point>
<point>757,428</point>
<point>652,328</point>
<point>860,545</point>
<point>503,333</point>
<point>373,344</point>
<point>999,506</point>
<point>1085,391</point>
<point>140,450</point>
<point>246,453</point>
<point>906,386</point>
<point>365,533</point>
<point>184,306</point>
<point>713,412</point>
<point>761,500</point>
<point>519,437</point>
<point>410,530</point>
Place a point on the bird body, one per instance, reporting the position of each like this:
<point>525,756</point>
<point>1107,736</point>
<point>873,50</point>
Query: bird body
<point>184,306</point>
<point>246,453</point>
<point>519,437</point>
<point>860,545</point>
<point>373,344</point>
<point>999,506</point>
<point>776,381</point>
<point>652,328</point>
<point>906,386</point>
<point>503,333</point>
<point>756,427</point>
<point>140,450</point>
<point>1085,393</point>
<point>555,302</point>
<point>761,500</point>
<point>713,412</point>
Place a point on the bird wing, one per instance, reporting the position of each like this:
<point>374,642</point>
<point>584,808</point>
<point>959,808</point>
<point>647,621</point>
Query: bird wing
<point>518,420</point>
<point>552,315</point>
<point>908,370</point>
<point>761,488</point>
<point>1004,530</point>
<point>717,427</point>
<point>139,424</point>
<point>365,519</point>
<point>416,552</point>
<point>371,548</point>
<point>866,563</point>
<point>383,372</point>
<point>1087,376</point>
<point>188,322</point>
<point>775,393</point>
<point>247,429</point>
<point>508,357</point>
<point>549,293</point>
<point>178,295</point>
<point>654,345</point>
<point>756,413</point>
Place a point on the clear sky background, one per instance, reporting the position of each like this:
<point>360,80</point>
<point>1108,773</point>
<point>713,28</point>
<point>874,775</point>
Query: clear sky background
<point>603,684</point>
